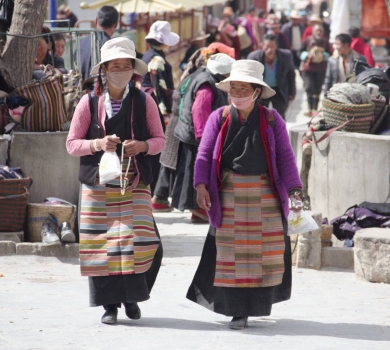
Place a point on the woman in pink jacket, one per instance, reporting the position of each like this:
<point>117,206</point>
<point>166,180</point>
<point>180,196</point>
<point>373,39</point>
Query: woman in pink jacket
<point>120,248</point>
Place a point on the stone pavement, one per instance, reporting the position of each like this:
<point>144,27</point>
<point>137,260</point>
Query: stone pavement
<point>44,305</point>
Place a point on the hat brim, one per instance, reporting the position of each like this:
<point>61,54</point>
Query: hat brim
<point>140,67</point>
<point>3,94</point>
<point>224,85</point>
<point>202,37</point>
<point>171,40</point>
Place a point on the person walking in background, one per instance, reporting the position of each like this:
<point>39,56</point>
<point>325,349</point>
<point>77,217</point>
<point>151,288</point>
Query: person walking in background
<point>260,21</point>
<point>227,32</point>
<point>293,31</point>
<point>341,63</point>
<point>314,55</point>
<point>201,98</point>
<point>159,83</point>
<point>197,42</point>
<point>107,21</point>
<point>273,26</point>
<point>245,172</point>
<point>63,12</point>
<point>314,20</point>
<point>169,156</point>
<point>360,46</point>
<point>120,247</point>
<point>279,73</point>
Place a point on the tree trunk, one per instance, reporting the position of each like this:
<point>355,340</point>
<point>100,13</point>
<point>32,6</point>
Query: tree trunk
<point>18,54</point>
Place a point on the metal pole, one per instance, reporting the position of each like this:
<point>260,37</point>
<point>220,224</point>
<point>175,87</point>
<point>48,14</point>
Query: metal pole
<point>53,11</point>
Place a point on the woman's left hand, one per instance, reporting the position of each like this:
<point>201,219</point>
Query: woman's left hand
<point>134,147</point>
<point>296,203</point>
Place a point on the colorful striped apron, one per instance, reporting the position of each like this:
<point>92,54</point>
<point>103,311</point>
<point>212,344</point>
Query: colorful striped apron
<point>117,234</point>
<point>250,241</point>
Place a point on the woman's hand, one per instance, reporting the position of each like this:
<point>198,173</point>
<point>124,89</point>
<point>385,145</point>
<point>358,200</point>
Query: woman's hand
<point>109,143</point>
<point>203,197</point>
<point>296,203</point>
<point>134,147</point>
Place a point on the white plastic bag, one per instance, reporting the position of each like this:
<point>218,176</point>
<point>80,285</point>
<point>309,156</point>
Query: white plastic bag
<point>110,167</point>
<point>300,222</point>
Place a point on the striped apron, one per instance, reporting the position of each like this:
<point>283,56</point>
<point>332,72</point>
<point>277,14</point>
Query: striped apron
<point>117,234</point>
<point>250,242</point>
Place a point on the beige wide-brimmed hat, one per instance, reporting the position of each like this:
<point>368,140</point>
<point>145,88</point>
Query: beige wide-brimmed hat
<point>120,48</point>
<point>247,71</point>
<point>201,35</point>
<point>272,21</point>
<point>315,19</point>
<point>295,15</point>
<point>161,31</point>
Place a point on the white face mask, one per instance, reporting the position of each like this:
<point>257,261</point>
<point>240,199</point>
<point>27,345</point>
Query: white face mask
<point>119,80</point>
<point>242,103</point>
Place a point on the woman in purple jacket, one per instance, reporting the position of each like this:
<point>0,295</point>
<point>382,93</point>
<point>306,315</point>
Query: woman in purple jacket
<point>245,172</point>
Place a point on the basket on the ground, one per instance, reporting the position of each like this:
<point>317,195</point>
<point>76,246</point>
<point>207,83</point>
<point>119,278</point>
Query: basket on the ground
<point>38,213</point>
<point>13,202</point>
<point>360,116</point>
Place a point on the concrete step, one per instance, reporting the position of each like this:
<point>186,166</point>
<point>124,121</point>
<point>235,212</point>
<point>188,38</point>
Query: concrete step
<point>16,237</point>
<point>70,250</point>
<point>337,257</point>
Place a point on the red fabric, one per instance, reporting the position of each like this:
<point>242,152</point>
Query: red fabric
<point>224,131</point>
<point>264,137</point>
<point>202,108</point>
<point>375,19</point>
<point>364,49</point>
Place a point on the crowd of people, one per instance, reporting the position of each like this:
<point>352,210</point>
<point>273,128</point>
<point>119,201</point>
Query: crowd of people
<point>225,153</point>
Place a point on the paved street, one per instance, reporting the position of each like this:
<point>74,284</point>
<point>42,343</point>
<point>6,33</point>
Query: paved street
<point>44,304</point>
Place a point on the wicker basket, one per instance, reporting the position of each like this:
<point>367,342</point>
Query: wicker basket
<point>360,116</point>
<point>13,202</point>
<point>38,214</point>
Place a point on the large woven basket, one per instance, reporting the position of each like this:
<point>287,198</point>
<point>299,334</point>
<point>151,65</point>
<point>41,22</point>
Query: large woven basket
<point>13,202</point>
<point>360,116</point>
<point>38,213</point>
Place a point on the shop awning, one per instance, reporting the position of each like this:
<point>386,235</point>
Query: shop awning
<point>140,6</point>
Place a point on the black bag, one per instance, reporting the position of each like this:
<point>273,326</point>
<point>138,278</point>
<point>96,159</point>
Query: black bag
<point>375,76</point>
<point>6,12</point>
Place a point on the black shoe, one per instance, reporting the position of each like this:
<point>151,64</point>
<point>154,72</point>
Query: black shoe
<point>132,311</point>
<point>110,316</point>
<point>238,323</point>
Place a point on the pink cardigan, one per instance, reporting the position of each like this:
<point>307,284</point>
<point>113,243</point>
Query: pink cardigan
<point>77,145</point>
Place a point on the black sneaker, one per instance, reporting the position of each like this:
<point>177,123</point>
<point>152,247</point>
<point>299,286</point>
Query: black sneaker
<point>110,316</point>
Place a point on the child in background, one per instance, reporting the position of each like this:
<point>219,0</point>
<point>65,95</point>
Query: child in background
<point>59,41</point>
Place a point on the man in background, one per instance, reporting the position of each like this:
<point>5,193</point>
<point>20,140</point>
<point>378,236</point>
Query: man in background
<point>63,12</point>
<point>279,73</point>
<point>360,46</point>
<point>107,21</point>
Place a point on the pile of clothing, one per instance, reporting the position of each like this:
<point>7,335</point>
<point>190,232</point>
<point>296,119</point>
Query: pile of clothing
<point>361,216</point>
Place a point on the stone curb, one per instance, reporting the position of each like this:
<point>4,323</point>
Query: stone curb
<point>16,237</point>
<point>337,257</point>
<point>70,250</point>
<point>7,248</point>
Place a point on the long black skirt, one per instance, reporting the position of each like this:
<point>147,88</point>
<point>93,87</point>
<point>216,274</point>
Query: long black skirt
<point>236,302</point>
<point>184,193</point>
<point>114,290</point>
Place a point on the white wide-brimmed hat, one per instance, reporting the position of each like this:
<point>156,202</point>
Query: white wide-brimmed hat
<point>161,31</point>
<point>120,48</point>
<point>220,63</point>
<point>247,71</point>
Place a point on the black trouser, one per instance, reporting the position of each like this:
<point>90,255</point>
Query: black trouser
<point>313,82</point>
<point>278,103</point>
<point>164,184</point>
<point>155,171</point>
<point>296,59</point>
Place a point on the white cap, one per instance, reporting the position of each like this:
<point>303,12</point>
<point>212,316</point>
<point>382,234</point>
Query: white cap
<point>220,63</point>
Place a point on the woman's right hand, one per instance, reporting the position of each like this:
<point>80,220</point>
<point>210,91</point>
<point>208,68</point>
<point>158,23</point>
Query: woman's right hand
<point>109,143</point>
<point>203,197</point>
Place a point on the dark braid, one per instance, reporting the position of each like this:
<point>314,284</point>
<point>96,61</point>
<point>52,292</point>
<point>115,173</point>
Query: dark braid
<point>98,90</point>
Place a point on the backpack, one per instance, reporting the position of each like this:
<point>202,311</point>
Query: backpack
<point>243,36</point>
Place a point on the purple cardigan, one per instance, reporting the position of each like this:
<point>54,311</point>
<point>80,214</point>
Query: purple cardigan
<point>285,171</point>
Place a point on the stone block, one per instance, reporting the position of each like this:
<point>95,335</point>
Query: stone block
<point>7,248</point>
<point>70,250</point>
<point>16,237</point>
<point>372,254</point>
<point>326,233</point>
<point>337,257</point>
<point>309,246</point>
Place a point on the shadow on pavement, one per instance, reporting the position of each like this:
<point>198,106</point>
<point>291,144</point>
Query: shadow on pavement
<point>288,327</point>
